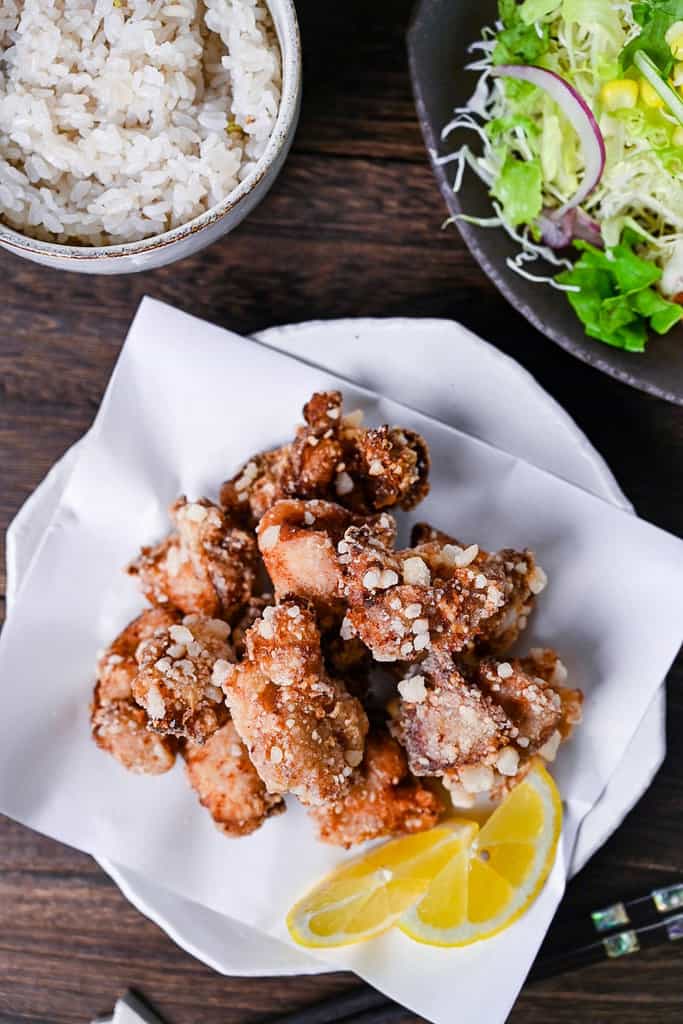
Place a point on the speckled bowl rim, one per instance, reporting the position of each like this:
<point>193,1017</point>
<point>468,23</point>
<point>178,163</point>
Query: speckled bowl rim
<point>289,41</point>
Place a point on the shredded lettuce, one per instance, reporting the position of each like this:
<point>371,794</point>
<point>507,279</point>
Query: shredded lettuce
<point>616,301</point>
<point>600,19</point>
<point>533,10</point>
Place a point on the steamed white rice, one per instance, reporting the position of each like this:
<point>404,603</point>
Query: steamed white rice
<point>120,119</point>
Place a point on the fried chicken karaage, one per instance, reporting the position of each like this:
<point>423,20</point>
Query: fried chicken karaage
<point>265,694</point>
<point>119,725</point>
<point>437,594</point>
<point>383,799</point>
<point>298,541</point>
<point>477,726</point>
<point>227,783</point>
<point>181,670</point>
<point>305,733</point>
<point>249,613</point>
<point>207,566</point>
<point>334,458</point>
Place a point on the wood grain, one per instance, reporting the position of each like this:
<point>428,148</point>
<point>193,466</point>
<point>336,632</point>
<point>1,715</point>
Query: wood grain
<point>352,227</point>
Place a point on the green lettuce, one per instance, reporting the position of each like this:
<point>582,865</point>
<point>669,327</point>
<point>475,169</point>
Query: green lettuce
<point>531,10</point>
<point>518,42</point>
<point>616,300</point>
<point>519,190</point>
<point>656,17</point>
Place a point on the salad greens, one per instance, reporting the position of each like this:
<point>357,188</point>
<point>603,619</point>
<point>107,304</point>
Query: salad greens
<point>518,189</point>
<point>655,18</point>
<point>624,62</point>
<point>616,301</point>
<point>518,42</point>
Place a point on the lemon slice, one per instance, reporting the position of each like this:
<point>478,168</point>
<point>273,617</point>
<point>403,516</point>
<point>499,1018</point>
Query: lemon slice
<point>368,895</point>
<point>489,882</point>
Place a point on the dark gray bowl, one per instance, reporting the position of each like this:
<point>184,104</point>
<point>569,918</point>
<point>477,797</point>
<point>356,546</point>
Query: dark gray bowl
<point>438,38</point>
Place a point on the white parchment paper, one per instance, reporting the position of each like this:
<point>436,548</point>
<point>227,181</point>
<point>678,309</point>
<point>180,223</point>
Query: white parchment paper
<point>188,403</point>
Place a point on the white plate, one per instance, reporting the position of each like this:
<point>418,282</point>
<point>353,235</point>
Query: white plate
<point>441,369</point>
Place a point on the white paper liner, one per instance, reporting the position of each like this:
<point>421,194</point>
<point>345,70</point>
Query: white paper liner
<point>610,609</point>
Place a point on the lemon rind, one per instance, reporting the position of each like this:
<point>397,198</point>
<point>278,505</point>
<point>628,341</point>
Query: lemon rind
<point>469,933</point>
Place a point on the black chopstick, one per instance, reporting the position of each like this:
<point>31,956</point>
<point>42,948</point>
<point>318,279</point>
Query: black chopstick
<point>655,919</point>
<point>353,1003</point>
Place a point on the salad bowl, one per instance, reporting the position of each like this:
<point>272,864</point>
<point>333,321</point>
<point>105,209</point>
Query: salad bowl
<point>439,38</point>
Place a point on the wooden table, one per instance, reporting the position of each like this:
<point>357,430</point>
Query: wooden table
<point>352,227</point>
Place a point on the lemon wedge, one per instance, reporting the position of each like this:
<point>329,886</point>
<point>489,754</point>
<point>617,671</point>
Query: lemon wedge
<point>456,884</point>
<point>490,882</point>
<point>366,896</point>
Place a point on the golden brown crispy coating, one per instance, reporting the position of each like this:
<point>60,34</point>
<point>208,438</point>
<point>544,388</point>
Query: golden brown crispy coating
<point>349,660</point>
<point>116,666</point>
<point>479,726</point>
<point>227,783</point>
<point>332,457</point>
<point>383,800</point>
<point>119,726</point>
<point>521,577</point>
<point>444,722</point>
<point>251,611</point>
<point>390,466</point>
<point>304,468</point>
<point>206,567</point>
<point>305,733</point>
<point>531,691</point>
<point>298,542</point>
<point>436,595</point>
<point>181,670</point>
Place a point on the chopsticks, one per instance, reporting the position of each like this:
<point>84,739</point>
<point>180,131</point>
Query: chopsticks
<point>610,948</point>
<point>653,920</point>
<point>637,913</point>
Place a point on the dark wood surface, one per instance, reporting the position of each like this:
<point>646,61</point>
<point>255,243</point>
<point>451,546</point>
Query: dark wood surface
<point>352,227</point>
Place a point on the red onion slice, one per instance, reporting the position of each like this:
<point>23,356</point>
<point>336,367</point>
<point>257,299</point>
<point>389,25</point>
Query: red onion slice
<point>579,115</point>
<point>558,232</point>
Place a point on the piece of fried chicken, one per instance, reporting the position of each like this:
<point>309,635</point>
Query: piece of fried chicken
<point>383,799</point>
<point>333,457</point>
<point>180,673</point>
<point>227,783</point>
<point>437,594</point>
<point>207,566</point>
<point>532,693</point>
<point>249,614</point>
<point>298,542</point>
<point>304,732</point>
<point>119,725</point>
<point>478,727</point>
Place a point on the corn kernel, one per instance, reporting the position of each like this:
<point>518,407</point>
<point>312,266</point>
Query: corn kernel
<point>674,38</point>
<point>620,94</point>
<point>649,96</point>
<point>677,137</point>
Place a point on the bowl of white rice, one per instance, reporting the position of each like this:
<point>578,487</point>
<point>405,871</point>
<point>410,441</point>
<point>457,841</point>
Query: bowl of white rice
<point>135,132</point>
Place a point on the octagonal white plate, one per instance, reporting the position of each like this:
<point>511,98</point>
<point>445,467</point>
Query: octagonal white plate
<point>445,371</point>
